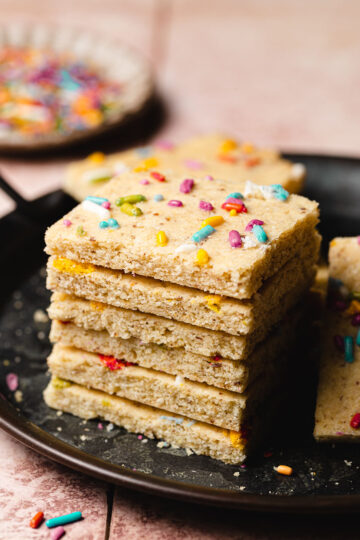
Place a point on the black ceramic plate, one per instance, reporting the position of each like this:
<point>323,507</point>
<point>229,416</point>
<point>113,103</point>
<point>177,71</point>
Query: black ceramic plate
<point>326,477</point>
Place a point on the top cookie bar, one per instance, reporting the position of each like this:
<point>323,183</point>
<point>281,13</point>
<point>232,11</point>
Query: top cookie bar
<point>196,232</point>
<point>214,155</point>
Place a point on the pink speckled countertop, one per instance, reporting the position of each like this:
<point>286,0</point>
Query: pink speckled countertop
<point>281,73</point>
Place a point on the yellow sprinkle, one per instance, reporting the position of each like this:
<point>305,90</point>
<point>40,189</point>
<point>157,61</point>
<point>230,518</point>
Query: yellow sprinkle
<point>213,302</point>
<point>71,267</point>
<point>213,221</point>
<point>202,257</point>
<point>227,146</point>
<point>247,148</point>
<point>96,158</point>
<point>60,383</point>
<point>161,239</point>
<point>97,306</point>
<point>284,469</point>
<point>105,403</point>
<point>233,212</point>
<point>353,308</point>
<point>333,243</point>
<point>146,164</point>
<point>93,117</point>
<point>235,439</point>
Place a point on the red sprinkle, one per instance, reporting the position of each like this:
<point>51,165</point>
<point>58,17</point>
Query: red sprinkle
<point>37,520</point>
<point>339,343</point>
<point>253,222</point>
<point>252,161</point>
<point>114,363</point>
<point>355,321</point>
<point>106,204</point>
<point>355,421</point>
<point>186,185</point>
<point>240,208</point>
<point>217,358</point>
<point>157,176</point>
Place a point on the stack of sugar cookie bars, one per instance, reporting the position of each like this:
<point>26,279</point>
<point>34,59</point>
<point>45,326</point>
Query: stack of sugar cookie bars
<point>176,301</point>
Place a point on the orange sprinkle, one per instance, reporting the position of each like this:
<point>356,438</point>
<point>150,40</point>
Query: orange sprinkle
<point>284,469</point>
<point>37,520</point>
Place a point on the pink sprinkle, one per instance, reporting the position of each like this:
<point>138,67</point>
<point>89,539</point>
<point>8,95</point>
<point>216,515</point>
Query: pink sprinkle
<point>253,222</point>
<point>174,202</point>
<point>339,433</point>
<point>339,343</point>
<point>106,205</point>
<point>209,177</point>
<point>139,437</point>
<point>67,222</point>
<point>193,164</point>
<point>242,466</point>
<point>206,206</point>
<point>358,240</point>
<point>355,321</point>
<point>144,182</point>
<point>57,533</point>
<point>12,381</point>
<point>164,145</point>
<point>232,200</point>
<point>100,426</point>
<point>235,239</point>
<point>186,185</point>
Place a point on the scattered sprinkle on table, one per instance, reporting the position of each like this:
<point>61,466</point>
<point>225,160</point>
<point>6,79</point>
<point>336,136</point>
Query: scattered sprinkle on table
<point>57,533</point>
<point>63,520</point>
<point>36,520</point>
<point>284,469</point>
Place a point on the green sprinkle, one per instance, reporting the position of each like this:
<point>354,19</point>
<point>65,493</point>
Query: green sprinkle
<point>80,231</point>
<point>349,349</point>
<point>130,210</point>
<point>279,192</point>
<point>132,199</point>
<point>103,224</point>
<point>358,338</point>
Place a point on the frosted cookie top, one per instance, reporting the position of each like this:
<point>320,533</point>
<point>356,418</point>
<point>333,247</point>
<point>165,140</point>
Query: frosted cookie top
<point>214,235</point>
<point>215,155</point>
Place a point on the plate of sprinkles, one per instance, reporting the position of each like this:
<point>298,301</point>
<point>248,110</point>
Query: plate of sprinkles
<point>58,86</point>
<point>292,474</point>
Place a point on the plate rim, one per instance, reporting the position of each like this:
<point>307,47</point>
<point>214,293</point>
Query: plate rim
<point>37,439</point>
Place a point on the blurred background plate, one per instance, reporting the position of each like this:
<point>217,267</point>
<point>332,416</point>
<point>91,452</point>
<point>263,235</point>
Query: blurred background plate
<point>111,61</point>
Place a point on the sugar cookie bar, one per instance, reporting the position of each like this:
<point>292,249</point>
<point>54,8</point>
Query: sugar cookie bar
<point>215,155</point>
<point>176,240</point>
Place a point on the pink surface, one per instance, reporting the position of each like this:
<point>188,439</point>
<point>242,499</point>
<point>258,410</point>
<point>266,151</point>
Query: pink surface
<point>282,73</point>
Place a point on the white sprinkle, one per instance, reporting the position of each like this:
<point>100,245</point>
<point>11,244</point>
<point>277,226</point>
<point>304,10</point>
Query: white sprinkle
<point>120,167</point>
<point>97,174</point>
<point>102,212</point>
<point>242,488</point>
<point>185,248</point>
<point>59,413</point>
<point>348,463</point>
<point>110,427</point>
<point>40,316</point>
<point>189,452</point>
<point>236,473</point>
<point>249,242</point>
<point>144,441</point>
<point>298,170</point>
<point>83,437</point>
<point>254,190</point>
<point>59,428</point>
<point>18,396</point>
<point>179,380</point>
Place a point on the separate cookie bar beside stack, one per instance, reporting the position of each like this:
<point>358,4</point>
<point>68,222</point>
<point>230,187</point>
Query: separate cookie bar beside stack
<point>174,316</point>
<point>337,416</point>
<point>220,157</point>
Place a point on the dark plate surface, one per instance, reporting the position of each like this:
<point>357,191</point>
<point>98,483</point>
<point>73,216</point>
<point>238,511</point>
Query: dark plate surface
<point>326,477</point>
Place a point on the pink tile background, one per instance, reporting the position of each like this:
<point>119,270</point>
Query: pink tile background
<point>278,72</point>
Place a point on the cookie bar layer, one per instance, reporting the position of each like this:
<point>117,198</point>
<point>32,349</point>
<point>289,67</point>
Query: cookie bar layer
<point>133,247</point>
<point>344,261</point>
<point>199,401</point>
<point>215,371</point>
<point>259,165</point>
<point>128,324</point>
<point>184,304</point>
<point>202,438</point>
<point>338,398</point>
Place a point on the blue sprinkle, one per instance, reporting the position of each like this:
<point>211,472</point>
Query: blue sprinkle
<point>358,338</point>
<point>63,520</point>
<point>279,192</point>
<point>113,223</point>
<point>96,200</point>
<point>158,197</point>
<point>172,419</point>
<point>349,349</point>
<point>191,423</point>
<point>259,233</point>
<point>235,195</point>
<point>144,151</point>
<point>103,224</point>
<point>203,233</point>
